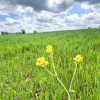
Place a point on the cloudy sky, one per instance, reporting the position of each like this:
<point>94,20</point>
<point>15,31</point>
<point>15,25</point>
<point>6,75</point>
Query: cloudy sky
<point>48,15</point>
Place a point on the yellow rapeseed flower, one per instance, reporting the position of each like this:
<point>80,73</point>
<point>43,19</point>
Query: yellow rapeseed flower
<point>46,63</point>
<point>41,62</point>
<point>78,58</point>
<point>49,49</point>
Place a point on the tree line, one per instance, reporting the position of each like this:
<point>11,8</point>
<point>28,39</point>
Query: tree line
<point>22,32</point>
<point>6,33</point>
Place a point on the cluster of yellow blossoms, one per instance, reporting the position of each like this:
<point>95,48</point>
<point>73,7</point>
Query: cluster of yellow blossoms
<point>49,49</point>
<point>78,58</point>
<point>42,62</point>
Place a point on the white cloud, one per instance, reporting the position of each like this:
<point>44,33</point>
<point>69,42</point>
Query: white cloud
<point>83,21</point>
<point>87,6</point>
<point>15,25</point>
<point>5,9</point>
<point>47,22</point>
<point>20,10</point>
<point>3,13</point>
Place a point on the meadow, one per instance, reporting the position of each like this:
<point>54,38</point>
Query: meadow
<point>21,79</point>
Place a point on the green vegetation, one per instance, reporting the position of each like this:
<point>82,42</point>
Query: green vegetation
<point>23,31</point>
<point>21,79</point>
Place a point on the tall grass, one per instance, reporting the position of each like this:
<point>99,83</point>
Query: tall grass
<point>21,79</point>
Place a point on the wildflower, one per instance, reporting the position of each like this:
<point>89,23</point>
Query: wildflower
<point>46,63</point>
<point>41,62</point>
<point>78,58</point>
<point>49,49</point>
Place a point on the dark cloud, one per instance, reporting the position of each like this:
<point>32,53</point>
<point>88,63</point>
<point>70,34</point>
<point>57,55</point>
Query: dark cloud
<point>40,5</point>
<point>43,5</point>
<point>62,6</point>
<point>37,5</point>
<point>89,1</point>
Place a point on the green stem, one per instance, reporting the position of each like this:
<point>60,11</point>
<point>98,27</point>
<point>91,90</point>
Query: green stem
<point>53,64</point>
<point>64,87</point>
<point>73,77</point>
<point>49,71</point>
<point>59,79</point>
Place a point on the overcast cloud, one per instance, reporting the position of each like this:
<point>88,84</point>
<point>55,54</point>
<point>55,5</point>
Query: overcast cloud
<point>40,5</point>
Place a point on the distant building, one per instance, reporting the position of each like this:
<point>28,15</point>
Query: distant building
<point>99,26</point>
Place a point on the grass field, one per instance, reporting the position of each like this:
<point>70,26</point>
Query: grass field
<point>21,79</point>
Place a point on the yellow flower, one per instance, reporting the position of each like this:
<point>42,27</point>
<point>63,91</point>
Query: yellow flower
<point>41,62</point>
<point>37,63</point>
<point>49,49</point>
<point>41,59</point>
<point>78,58</point>
<point>46,63</point>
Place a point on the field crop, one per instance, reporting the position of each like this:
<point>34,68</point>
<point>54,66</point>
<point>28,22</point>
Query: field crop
<point>21,79</point>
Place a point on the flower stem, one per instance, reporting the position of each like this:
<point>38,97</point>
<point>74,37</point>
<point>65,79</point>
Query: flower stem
<point>64,87</point>
<point>53,64</point>
<point>73,77</point>
<point>49,71</point>
<point>58,78</point>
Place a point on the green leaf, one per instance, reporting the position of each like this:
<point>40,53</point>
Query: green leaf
<point>72,91</point>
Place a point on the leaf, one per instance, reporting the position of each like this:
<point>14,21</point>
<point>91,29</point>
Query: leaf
<point>26,80</point>
<point>72,91</point>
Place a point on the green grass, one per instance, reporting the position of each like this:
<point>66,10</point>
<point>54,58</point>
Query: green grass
<point>21,79</point>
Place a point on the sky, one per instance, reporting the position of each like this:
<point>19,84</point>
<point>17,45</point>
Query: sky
<point>48,15</point>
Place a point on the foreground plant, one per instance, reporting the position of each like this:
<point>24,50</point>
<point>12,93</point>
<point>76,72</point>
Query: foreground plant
<point>43,63</point>
<point>77,59</point>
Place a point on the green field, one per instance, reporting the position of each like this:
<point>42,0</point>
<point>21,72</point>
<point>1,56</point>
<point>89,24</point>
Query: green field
<point>21,79</point>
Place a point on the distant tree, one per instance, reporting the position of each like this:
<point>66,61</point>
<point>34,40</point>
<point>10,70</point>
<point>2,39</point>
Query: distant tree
<point>19,32</point>
<point>23,31</point>
<point>35,31</point>
<point>16,33</point>
<point>89,27</point>
<point>6,33</point>
<point>2,33</point>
